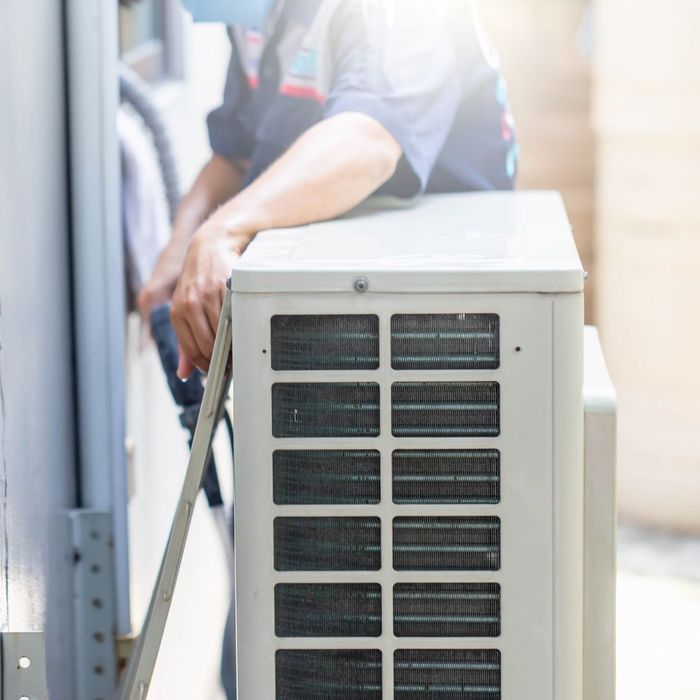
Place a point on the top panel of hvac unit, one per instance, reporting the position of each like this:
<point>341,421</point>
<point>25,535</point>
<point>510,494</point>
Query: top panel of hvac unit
<point>477,242</point>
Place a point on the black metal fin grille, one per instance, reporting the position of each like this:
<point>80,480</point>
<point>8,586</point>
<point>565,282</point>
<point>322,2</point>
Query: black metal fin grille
<point>327,544</point>
<point>317,410</point>
<point>329,674</point>
<point>326,477</point>
<point>328,610</point>
<point>446,476</point>
<point>447,543</point>
<point>445,409</point>
<point>447,610</point>
<point>325,342</point>
<point>447,674</point>
<point>445,341</point>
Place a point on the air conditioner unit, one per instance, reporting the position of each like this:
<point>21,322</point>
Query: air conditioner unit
<point>409,474</point>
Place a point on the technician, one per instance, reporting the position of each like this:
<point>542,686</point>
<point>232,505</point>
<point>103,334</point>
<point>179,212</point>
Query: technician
<point>326,103</point>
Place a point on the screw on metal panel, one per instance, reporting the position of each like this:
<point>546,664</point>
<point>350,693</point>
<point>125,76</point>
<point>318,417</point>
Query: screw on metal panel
<point>361,285</point>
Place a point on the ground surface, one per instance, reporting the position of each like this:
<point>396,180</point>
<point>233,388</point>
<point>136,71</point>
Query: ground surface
<point>658,616</point>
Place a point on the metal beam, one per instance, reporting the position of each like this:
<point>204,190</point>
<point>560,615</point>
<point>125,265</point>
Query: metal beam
<point>98,273</point>
<point>93,605</point>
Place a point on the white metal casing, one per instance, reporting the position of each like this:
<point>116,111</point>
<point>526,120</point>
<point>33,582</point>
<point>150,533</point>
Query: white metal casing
<point>600,522</point>
<point>508,254</point>
<point>485,242</point>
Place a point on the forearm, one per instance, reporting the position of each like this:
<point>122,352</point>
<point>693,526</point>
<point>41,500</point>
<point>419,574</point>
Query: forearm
<point>218,181</point>
<point>331,168</point>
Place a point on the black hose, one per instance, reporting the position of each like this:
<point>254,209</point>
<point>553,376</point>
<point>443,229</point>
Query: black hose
<point>135,92</point>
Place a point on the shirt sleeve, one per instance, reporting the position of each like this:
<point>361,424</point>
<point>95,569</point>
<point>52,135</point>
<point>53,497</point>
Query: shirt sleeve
<point>229,135</point>
<point>395,61</point>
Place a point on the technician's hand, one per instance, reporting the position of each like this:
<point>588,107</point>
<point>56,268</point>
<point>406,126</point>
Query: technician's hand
<point>199,294</point>
<point>159,289</point>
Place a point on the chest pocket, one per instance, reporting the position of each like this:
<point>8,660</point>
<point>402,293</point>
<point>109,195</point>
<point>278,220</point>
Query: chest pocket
<point>304,77</point>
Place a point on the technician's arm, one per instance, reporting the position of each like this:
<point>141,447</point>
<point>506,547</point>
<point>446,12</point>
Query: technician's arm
<point>218,181</point>
<point>332,167</point>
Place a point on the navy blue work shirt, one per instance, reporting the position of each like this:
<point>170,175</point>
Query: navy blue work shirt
<point>424,69</point>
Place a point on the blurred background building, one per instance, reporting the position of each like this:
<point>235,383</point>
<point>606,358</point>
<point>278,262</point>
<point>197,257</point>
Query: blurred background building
<point>604,97</point>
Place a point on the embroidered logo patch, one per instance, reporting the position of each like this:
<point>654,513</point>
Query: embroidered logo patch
<point>302,79</point>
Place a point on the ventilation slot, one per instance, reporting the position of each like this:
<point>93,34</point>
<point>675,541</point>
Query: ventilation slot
<point>446,476</point>
<point>325,410</point>
<point>329,675</point>
<point>447,610</point>
<point>444,341</point>
<point>445,409</point>
<point>326,477</point>
<point>447,674</point>
<point>447,544</point>
<point>328,610</point>
<point>325,342</point>
<point>327,544</point>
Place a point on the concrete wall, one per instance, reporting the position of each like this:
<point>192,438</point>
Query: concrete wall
<point>647,97</point>
<point>37,464</point>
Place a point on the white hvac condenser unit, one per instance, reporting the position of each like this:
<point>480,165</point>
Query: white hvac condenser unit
<point>414,519</point>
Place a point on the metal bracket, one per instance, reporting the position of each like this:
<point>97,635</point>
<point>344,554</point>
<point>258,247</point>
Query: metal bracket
<point>93,586</point>
<point>24,666</point>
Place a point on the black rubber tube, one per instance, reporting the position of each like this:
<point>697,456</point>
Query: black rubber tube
<point>137,93</point>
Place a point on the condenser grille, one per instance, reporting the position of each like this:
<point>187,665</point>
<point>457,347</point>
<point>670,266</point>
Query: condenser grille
<point>329,674</point>
<point>325,342</point>
<point>446,476</point>
<point>447,543</point>
<point>447,610</point>
<point>318,410</point>
<point>327,484</point>
<point>328,610</point>
<point>447,674</point>
<point>445,409</point>
<point>444,341</point>
<point>327,544</point>
<point>326,477</point>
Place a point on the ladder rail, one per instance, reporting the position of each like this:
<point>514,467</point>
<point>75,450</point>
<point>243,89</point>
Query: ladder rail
<point>137,678</point>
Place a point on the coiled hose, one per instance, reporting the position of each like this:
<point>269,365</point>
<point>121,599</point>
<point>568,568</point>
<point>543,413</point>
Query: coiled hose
<point>137,93</point>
